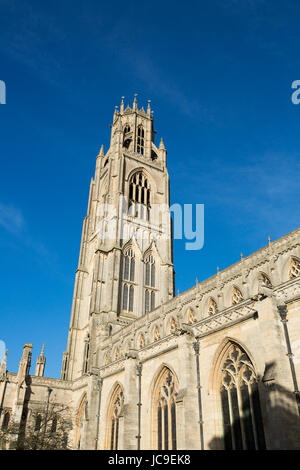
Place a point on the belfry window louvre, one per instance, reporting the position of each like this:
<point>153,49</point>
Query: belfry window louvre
<point>294,268</point>
<point>264,280</point>
<point>150,271</point>
<point>140,140</point>
<point>139,196</point>
<point>165,412</point>
<point>242,420</point>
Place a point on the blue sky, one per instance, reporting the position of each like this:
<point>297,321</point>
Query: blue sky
<point>219,75</point>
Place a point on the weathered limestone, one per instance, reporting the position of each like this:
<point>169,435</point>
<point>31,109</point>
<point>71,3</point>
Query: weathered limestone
<point>248,313</point>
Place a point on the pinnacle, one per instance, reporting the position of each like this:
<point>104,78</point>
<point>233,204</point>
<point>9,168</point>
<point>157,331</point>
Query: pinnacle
<point>162,145</point>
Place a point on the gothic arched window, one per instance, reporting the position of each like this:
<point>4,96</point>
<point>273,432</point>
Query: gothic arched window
<point>140,140</point>
<point>164,411</point>
<point>128,276</point>
<point>264,280</point>
<point>212,307</point>
<point>139,196</point>
<point>294,268</point>
<point>236,296</point>
<point>156,335</point>
<point>113,415</point>
<point>149,282</point>
<point>86,354</point>
<point>242,421</point>
<point>79,420</point>
<point>127,137</point>
<point>191,317</point>
<point>142,341</point>
<point>173,326</point>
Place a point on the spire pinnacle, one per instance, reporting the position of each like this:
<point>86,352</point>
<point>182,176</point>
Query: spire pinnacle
<point>4,362</point>
<point>149,108</point>
<point>43,349</point>
<point>134,106</point>
<point>101,151</point>
<point>162,145</point>
<point>122,104</point>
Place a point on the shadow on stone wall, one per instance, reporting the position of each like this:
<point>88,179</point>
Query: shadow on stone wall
<point>280,418</point>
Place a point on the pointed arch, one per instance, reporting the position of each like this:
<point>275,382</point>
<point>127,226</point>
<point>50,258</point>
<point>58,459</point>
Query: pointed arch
<point>236,296</point>
<point>156,333</point>
<point>163,410</point>
<point>212,306</point>
<point>264,280</point>
<point>172,325</point>
<point>294,270</point>
<point>191,316</point>
<point>79,420</point>
<point>114,410</point>
<point>139,195</point>
<point>236,389</point>
<point>141,343</point>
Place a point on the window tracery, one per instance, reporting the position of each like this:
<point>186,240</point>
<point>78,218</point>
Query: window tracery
<point>165,411</point>
<point>140,140</point>
<point>113,417</point>
<point>212,307</point>
<point>173,325</point>
<point>242,422</point>
<point>191,317</point>
<point>236,296</point>
<point>156,335</point>
<point>128,277</point>
<point>294,268</point>
<point>139,196</point>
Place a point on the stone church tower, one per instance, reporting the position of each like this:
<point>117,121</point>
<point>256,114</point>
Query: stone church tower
<point>216,367</point>
<point>125,264</point>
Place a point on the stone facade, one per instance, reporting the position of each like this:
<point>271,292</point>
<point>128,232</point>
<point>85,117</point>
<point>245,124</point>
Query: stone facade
<point>216,367</point>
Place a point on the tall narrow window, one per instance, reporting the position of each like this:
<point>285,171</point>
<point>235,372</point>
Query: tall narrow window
<point>86,353</point>
<point>149,282</point>
<point>147,301</point>
<point>164,411</point>
<point>242,420</point>
<point>79,420</point>
<point>139,196</point>
<point>5,421</point>
<point>128,276</point>
<point>212,307</point>
<point>140,140</point>
<point>129,265</point>
<point>127,137</point>
<point>113,418</point>
<point>191,317</point>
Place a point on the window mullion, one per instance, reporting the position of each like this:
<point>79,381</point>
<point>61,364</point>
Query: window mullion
<point>231,419</point>
<point>241,415</point>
